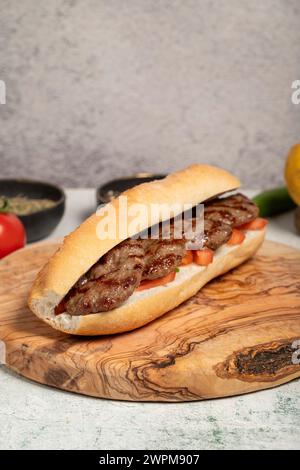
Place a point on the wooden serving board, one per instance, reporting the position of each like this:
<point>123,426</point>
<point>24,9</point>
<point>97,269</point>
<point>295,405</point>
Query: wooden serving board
<point>234,336</point>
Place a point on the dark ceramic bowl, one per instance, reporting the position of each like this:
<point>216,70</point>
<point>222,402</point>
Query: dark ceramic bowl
<point>113,188</point>
<point>39,224</point>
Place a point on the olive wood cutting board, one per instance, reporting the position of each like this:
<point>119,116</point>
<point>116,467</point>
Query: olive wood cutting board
<point>235,336</point>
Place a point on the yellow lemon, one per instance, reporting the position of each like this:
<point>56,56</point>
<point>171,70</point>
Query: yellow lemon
<point>292,173</point>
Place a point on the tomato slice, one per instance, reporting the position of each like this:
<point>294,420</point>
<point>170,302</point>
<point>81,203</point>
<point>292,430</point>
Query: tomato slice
<point>188,258</point>
<point>256,224</point>
<point>203,257</point>
<point>237,237</point>
<point>156,282</point>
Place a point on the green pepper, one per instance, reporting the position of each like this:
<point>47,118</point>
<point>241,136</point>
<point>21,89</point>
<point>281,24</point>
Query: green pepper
<point>274,201</point>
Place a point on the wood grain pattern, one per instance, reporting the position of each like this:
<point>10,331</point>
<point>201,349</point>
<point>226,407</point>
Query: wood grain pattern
<point>234,336</point>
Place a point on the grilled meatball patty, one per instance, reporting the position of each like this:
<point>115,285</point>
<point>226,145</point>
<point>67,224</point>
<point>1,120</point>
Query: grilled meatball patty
<point>233,210</point>
<point>109,282</point>
<point>162,257</point>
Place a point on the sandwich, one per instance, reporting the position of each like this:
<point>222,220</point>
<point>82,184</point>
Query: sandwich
<point>99,285</point>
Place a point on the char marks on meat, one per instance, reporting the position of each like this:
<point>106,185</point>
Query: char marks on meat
<point>233,210</point>
<point>221,215</point>
<point>216,233</point>
<point>119,272</point>
<point>109,282</point>
<point>162,257</point>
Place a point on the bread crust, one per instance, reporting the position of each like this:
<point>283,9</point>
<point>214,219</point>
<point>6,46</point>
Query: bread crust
<point>155,303</point>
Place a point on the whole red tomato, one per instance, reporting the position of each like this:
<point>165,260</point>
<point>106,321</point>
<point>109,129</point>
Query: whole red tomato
<point>12,234</point>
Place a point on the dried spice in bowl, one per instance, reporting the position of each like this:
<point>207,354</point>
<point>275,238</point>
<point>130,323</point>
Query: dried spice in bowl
<point>22,205</point>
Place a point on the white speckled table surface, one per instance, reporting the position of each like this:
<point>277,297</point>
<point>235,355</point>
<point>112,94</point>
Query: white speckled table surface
<point>33,416</point>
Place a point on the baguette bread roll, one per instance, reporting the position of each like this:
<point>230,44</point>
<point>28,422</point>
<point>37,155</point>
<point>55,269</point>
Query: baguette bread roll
<point>82,249</point>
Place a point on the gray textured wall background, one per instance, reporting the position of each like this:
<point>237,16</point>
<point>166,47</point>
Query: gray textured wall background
<point>98,89</point>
